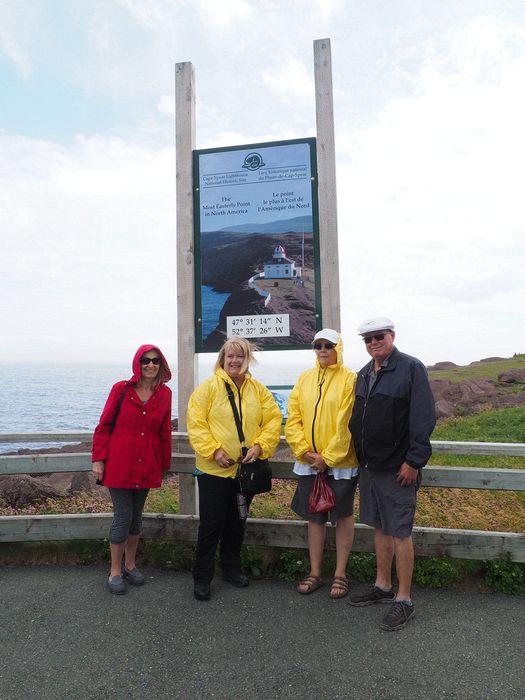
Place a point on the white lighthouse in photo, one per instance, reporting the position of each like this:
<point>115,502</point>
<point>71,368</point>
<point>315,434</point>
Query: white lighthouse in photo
<point>281,267</point>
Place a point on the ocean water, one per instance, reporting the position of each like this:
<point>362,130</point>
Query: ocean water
<point>46,397</point>
<point>212,303</point>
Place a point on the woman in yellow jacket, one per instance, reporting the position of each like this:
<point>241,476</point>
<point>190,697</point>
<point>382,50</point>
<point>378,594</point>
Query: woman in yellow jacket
<point>319,408</point>
<point>213,435</point>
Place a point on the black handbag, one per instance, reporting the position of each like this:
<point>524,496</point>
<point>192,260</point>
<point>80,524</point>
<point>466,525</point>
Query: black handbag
<point>254,477</point>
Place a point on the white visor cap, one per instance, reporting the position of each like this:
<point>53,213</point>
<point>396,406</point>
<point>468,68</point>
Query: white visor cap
<point>378,323</point>
<point>327,334</point>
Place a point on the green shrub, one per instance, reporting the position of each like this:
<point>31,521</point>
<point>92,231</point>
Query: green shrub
<point>252,560</point>
<point>362,567</point>
<point>292,565</point>
<point>167,553</point>
<point>435,573</point>
<point>504,575</point>
<point>496,425</point>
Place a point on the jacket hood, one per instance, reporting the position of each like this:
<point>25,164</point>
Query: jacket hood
<point>137,373</point>
<point>338,350</point>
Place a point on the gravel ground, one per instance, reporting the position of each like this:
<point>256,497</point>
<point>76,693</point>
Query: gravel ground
<point>63,636</point>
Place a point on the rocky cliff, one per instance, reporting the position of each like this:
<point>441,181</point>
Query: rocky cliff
<point>471,396</point>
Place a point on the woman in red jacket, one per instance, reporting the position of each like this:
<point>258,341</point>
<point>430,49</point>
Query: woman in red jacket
<point>131,449</point>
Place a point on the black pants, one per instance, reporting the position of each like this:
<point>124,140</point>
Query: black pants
<point>219,522</point>
<point>128,505</point>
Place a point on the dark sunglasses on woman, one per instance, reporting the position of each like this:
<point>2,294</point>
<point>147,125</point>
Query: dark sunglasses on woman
<point>147,360</point>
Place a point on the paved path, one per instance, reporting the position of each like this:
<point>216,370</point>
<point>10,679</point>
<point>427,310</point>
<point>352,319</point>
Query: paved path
<point>63,636</point>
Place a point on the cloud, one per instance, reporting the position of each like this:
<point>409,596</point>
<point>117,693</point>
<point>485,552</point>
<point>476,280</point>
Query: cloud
<point>148,12</point>
<point>166,105</point>
<point>292,81</point>
<point>434,210</point>
<point>429,146</point>
<point>220,14</point>
<point>16,29</point>
<point>91,257</point>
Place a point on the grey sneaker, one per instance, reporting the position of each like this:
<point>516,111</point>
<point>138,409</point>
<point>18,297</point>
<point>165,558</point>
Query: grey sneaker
<point>374,595</point>
<point>116,585</point>
<point>134,576</point>
<point>397,617</point>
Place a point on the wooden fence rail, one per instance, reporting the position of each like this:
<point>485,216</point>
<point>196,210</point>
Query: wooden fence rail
<point>467,544</point>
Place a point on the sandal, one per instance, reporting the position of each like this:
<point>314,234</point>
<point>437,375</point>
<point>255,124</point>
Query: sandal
<point>311,584</point>
<point>339,587</point>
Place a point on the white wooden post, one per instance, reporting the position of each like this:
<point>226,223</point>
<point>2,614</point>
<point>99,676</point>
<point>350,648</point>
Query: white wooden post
<point>324,105</point>
<point>187,360</point>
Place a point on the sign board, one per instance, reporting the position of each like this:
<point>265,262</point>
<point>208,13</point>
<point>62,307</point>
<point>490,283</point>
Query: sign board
<point>257,245</point>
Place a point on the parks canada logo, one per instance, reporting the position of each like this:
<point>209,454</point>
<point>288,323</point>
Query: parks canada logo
<point>253,161</point>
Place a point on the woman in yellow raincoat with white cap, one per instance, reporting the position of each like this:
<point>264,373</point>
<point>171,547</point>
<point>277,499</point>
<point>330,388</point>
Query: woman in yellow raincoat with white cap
<point>319,408</point>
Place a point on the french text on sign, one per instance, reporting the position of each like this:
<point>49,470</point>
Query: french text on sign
<point>263,326</point>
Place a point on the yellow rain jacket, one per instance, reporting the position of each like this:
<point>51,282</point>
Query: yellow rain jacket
<point>319,408</point>
<point>211,423</point>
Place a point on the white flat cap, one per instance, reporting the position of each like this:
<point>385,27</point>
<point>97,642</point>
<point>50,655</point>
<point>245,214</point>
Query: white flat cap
<point>327,334</point>
<point>377,323</point>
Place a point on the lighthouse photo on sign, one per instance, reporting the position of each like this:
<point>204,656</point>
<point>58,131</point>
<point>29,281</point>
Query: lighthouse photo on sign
<point>256,242</point>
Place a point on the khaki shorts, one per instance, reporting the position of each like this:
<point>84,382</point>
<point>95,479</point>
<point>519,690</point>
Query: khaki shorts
<point>385,504</point>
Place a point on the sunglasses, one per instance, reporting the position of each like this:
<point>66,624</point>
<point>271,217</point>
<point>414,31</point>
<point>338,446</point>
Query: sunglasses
<point>325,346</point>
<point>377,336</point>
<point>147,360</point>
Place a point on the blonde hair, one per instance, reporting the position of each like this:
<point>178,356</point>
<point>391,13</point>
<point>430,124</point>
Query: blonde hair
<point>238,345</point>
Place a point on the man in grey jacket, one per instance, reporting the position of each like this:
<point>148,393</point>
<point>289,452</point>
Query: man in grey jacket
<point>392,420</point>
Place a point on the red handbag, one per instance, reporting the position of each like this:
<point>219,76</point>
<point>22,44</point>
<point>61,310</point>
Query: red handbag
<point>322,496</point>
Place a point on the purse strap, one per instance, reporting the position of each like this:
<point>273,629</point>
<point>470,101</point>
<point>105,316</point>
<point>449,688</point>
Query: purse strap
<point>117,410</point>
<point>235,412</point>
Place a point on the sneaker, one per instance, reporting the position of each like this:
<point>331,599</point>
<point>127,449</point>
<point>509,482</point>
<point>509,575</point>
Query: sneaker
<point>201,590</point>
<point>133,576</point>
<point>116,585</point>
<point>398,616</point>
<point>236,578</point>
<point>374,595</point>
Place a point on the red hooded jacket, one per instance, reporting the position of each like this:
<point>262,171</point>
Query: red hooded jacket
<point>139,448</point>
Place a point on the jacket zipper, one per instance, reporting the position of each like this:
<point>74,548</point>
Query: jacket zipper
<point>368,395</point>
<point>315,412</point>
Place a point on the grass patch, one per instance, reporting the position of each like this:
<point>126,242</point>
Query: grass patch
<point>477,461</point>
<point>499,425</point>
<point>497,511</point>
<point>166,498</point>
<point>57,553</point>
<point>479,370</point>
<point>80,503</point>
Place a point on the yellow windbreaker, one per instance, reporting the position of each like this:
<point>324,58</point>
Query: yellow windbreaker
<point>319,408</point>
<point>211,423</point>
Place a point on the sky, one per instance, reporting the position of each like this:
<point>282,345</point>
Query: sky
<point>429,114</point>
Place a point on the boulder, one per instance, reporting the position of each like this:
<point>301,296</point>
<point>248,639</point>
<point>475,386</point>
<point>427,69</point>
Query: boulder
<point>21,490</point>
<point>512,376</point>
<point>443,365</point>
<point>81,482</point>
<point>441,388</point>
<point>445,409</point>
